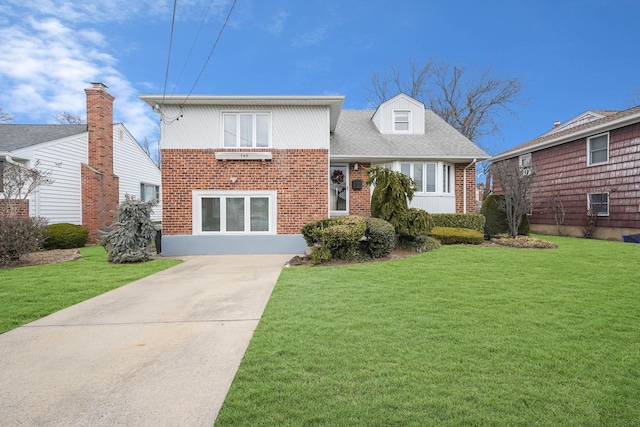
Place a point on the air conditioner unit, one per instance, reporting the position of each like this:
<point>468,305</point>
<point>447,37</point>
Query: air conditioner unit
<point>525,171</point>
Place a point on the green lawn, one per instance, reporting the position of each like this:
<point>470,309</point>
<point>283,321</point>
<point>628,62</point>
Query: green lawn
<point>463,335</point>
<point>29,293</point>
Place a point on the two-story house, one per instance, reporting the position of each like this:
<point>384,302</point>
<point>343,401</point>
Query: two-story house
<point>587,175</point>
<point>243,174</point>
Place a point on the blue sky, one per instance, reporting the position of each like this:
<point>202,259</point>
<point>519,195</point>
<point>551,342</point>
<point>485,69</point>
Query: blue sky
<point>572,56</point>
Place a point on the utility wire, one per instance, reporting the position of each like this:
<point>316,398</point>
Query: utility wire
<point>166,76</point>
<point>192,47</point>
<point>211,52</point>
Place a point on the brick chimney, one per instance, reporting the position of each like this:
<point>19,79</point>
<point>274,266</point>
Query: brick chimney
<point>100,187</point>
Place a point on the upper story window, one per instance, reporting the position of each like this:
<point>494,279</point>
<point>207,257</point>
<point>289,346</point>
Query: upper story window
<point>246,130</point>
<point>401,121</point>
<point>598,149</point>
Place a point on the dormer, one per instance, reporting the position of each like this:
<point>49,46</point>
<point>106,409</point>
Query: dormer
<point>400,115</point>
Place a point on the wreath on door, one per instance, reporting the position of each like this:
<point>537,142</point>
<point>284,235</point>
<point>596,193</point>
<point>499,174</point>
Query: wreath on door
<point>337,177</point>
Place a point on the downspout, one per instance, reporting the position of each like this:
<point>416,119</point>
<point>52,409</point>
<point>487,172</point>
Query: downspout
<point>464,185</point>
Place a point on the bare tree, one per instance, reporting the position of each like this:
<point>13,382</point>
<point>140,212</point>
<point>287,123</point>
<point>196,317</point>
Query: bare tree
<point>156,156</point>
<point>65,118</point>
<point>17,183</point>
<point>470,103</point>
<point>516,184</point>
<point>5,117</point>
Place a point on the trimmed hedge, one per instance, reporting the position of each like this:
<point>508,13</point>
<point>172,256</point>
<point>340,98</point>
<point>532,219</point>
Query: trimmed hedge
<point>348,237</point>
<point>471,221</point>
<point>419,244</point>
<point>381,238</point>
<point>65,236</point>
<point>453,236</point>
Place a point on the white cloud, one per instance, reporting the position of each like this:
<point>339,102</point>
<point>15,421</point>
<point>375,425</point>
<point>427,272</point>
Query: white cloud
<point>275,24</point>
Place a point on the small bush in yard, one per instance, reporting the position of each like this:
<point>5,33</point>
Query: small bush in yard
<point>415,222</point>
<point>381,238</point>
<point>496,219</point>
<point>19,236</point>
<point>453,236</point>
<point>130,239</point>
<point>419,243</point>
<point>65,236</point>
<point>335,238</point>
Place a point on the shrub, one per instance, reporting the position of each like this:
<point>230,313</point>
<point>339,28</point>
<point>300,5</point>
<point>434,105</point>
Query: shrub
<point>381,238</point>
<point>65,236</point>
<point>419,243</point>
<point>335,238</point>
<point>452,236</point>
<point>19,236</point>
<point>525,242</point>
<point>130,239</point>
<point>415,222</point>
<point>391,194</point>
<point>496,219</point>
<point>472,221</point>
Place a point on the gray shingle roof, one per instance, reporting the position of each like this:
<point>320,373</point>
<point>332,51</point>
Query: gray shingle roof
<point>14,137</point>
<point>357,137</point>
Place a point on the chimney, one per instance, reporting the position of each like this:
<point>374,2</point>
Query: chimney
<point>556,123</point>
<point>100,187</point>
<point>100,127</point>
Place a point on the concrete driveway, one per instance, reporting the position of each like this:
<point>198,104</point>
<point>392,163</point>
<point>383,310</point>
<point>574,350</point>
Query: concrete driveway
<point>161,351</point>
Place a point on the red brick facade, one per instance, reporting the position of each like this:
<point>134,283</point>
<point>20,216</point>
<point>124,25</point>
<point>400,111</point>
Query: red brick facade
<point>299,176</point>
<point>359,200</point>
<point>459,188</point>
<point>100,187</point>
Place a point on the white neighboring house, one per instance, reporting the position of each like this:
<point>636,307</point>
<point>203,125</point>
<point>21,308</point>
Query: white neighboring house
<point>65,150</point>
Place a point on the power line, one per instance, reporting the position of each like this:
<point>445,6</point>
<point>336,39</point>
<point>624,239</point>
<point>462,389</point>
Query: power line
<point>192,47</point>
<point>166,75</point>
<point>211,51</point>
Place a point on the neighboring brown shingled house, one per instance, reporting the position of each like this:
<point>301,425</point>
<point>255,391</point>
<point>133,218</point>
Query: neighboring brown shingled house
<point>587,169</point>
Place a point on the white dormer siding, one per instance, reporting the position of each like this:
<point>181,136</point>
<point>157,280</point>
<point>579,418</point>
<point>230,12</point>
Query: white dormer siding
<point>391,116</point>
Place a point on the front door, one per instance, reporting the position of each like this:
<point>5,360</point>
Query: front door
<point>338,189</point>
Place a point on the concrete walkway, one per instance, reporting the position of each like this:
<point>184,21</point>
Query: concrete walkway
<point>161,351</point>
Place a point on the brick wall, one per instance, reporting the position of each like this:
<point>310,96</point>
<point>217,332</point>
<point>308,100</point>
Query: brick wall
<point>359,200</point>
<point>100,187</point>
<point>20,207</point>
<point>459,187</point>
<point>299,176</point>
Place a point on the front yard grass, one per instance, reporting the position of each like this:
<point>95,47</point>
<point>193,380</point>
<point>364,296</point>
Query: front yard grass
<point>29,293</point>
<point>464,335</point>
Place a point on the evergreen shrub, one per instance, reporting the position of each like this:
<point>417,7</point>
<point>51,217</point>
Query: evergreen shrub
<point>65,236</point>
<point>496,220</point>
<point>453,236</point>
<point>381,238</point>
<point>459,220</point>
<point>420,243</point>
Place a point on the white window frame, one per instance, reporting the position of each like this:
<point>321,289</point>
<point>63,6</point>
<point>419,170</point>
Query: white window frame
<point>198,195</point>
<point>143,192</point>
<point>437,188</point>
<point>396,121</point>
<point>607,204</point>
<point>448,178</point>
<point>254,129</point>
<point>590,151</point>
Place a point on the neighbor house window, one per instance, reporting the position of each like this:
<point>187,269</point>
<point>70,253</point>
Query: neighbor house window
<point>598,204</point>
<point>149,192</point>
<point>234,212</point>
<point>401,121</point>
<point>598,149</point>
<point>245,130</point>
<point>424,175</point>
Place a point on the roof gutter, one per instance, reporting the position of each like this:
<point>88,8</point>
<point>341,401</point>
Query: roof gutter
<point>464,185</point>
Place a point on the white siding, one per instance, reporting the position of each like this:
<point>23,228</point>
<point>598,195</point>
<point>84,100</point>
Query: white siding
<point>62,200</point>
<point>292,127</point>
<point>132,166</point>
<point>383,117</point>
<point>434,203</point>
